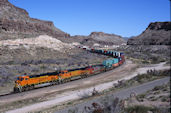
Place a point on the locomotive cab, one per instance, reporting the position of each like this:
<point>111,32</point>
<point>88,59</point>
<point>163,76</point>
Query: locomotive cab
<point>19,83</point>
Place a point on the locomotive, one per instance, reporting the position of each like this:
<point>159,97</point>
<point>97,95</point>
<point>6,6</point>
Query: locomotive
<point>28,82</point>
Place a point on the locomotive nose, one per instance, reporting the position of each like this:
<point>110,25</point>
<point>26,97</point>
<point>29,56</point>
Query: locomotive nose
<point>17,81</point>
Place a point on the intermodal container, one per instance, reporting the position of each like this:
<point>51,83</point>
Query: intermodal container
<point>115,60</point>
<point>108,63</point>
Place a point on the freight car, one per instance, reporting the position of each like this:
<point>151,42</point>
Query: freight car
<point>27,82</point>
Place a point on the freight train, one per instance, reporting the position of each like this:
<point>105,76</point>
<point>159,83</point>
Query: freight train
<point>28,82</point>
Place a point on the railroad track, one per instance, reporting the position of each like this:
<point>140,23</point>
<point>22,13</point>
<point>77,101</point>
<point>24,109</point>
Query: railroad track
<point>76,84</point>
<point>90,75</point>
<point>125,71</point>
<point>29,82</point>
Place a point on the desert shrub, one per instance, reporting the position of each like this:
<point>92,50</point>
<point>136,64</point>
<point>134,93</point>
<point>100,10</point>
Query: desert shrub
<point>141,77</point>
<point>10,62</point>
<point>159,72</point>
<point>73,110</point>
<point>157,88</point>
<point>138,109</point>
<point>145,62</point>
<point>141,96</point>
<point>165,98</point>
<point>24,64</point>
<point>69,103</point>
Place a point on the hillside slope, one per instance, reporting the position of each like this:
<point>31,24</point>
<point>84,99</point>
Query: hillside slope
<point>157,33</point>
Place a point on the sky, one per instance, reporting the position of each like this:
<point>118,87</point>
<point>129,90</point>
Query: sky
<point>81,17</point>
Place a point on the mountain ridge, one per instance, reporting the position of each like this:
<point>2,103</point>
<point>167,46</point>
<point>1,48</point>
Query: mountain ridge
<point>16,23</point>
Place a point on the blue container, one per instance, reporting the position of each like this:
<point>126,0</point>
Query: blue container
<point>103,52</point>
<point>122,53</point>
<point>97,51</point>
<point>108,63</point>
<point>100,51</point>
<point>107,52</point>
<point>115,60</point>
<point>110,52</point>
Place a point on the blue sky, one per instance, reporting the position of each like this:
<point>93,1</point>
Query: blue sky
<point>81,17</point>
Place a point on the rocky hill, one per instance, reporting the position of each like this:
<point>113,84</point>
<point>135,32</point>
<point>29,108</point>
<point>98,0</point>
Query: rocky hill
<point>157,33</point>
<point>100,38</point>
<point>106,38</point>
<point>16,23</point>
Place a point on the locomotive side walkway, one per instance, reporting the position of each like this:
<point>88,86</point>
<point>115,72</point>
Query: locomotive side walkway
<point>100,82</point>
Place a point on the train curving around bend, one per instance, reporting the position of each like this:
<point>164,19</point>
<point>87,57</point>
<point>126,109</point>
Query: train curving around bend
<point>28,82</point>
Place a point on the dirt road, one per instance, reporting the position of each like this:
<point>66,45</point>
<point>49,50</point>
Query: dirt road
<point>72,90</point>
<point>123,94</point>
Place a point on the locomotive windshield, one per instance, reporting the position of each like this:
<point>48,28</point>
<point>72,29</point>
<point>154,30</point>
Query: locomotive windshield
<point>19,78</point>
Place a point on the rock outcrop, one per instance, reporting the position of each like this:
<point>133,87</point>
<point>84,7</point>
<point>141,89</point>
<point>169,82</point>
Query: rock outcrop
<point>102,39</point>
<point>105,37</point>
<point>14,20</point>
<point>158,33</point>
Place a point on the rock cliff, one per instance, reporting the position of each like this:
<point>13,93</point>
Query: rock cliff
<point>16,23</point>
